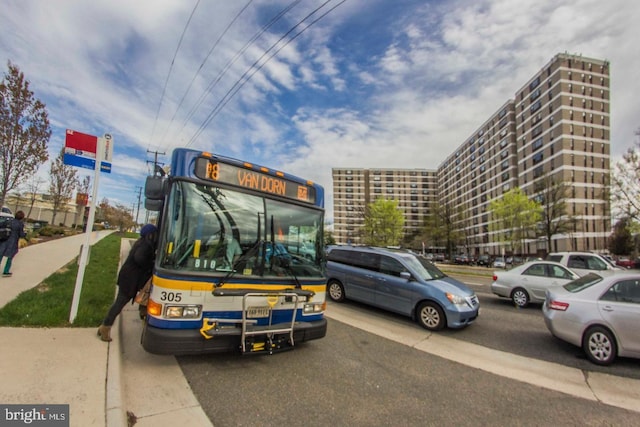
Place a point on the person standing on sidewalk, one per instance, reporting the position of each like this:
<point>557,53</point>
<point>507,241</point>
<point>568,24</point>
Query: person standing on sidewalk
<point>9,247</point>
<point>133,275</point>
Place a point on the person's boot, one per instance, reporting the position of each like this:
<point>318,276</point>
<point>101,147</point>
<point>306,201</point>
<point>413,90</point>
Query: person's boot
<point>142,310</point>
<point>104,332</point>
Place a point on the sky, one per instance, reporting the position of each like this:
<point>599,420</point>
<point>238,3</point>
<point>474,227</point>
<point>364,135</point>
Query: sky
<point>301,86</point>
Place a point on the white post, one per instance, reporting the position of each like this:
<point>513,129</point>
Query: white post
<point>84,253</point>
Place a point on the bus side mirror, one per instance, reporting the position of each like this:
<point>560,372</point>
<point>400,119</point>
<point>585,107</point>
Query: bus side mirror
<point>153,205</point>
<point>154,187</point>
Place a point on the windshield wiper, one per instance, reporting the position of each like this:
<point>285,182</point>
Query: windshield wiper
<point>285,263</point>
<point>242,257</point>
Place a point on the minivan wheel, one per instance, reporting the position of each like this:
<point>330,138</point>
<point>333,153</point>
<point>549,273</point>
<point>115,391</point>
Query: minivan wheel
<point>599,345</point>
<point>430,316</point>
<point>520,297</point>
<point>335,290</point>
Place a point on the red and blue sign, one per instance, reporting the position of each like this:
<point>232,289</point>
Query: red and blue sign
<point>80,151</point>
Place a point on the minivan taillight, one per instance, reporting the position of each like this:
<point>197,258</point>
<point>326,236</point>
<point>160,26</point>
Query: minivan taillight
<point>558,305</point>
<point>495,277</point>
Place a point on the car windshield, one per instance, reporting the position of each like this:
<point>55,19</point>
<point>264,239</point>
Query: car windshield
<point>211,229</point>
<point>423,268</point>
<point>582,283</point>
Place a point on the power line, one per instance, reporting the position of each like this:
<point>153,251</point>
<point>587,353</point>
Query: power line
<point>240,83</point>
<point>215,44</point>
<point>170,69</point>
<point>228,65</point>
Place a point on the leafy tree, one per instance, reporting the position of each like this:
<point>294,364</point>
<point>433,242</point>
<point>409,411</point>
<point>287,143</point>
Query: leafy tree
<point>329,239</point>
<point>515,216</point>
<point>383,223</point>
<point>625,178</point>
<point>551,194</point>
<point>24,131</point>
<point>621,242</point>
<point>63,182</point>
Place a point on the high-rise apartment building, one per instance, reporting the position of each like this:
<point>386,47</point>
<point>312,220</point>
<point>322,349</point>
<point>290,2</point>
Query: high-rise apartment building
<point>555,131</point>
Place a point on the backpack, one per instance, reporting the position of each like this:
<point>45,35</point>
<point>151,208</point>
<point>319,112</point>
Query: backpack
<point>5,228</point>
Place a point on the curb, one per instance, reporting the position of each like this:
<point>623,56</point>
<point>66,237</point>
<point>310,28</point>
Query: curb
<point>116,414</point>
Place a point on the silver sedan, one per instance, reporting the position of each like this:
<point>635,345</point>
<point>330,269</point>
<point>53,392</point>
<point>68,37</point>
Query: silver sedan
<point>599,312</point>
<point>528,282</point>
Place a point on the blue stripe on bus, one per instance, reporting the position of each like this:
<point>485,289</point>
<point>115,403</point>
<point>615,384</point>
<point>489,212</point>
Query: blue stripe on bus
<point>279,316</point>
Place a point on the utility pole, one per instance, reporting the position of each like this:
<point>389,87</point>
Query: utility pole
<point>138,208</point>
<point>155,160</point>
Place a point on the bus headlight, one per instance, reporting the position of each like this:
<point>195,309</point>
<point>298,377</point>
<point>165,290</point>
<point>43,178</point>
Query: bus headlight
<point>183,311</point>
<point>312,308</point>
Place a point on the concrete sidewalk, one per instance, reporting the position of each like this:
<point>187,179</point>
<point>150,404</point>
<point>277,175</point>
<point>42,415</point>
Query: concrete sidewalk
<point>72,366</point>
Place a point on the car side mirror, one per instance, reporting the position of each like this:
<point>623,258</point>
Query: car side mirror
<point>405,275</point>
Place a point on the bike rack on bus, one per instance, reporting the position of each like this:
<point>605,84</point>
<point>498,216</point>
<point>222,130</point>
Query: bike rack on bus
<point>250,328</point>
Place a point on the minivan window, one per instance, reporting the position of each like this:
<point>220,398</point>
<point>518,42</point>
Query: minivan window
<point>391,266</point>
<point>359,259</point>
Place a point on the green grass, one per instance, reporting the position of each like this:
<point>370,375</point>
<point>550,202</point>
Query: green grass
<point>49,304</point>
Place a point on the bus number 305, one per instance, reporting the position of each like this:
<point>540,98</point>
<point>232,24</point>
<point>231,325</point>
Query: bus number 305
<point>171,296</point>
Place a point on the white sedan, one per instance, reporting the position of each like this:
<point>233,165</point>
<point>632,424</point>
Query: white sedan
<point>600,312</point>
<point>528,282</point>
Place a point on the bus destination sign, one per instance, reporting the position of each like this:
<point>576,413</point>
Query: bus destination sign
<point>213,170</point>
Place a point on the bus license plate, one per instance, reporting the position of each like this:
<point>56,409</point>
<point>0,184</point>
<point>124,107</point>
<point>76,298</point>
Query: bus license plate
<point>258,312</point>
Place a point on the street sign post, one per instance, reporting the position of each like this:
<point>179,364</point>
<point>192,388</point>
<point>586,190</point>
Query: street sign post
<point>86,151</point>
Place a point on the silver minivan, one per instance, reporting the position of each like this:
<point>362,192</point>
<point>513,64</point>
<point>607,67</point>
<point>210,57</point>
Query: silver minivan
<point>401,282</point>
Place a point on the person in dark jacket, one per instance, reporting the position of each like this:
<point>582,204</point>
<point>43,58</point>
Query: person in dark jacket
<point>133,275</point>
<point>9,247</point>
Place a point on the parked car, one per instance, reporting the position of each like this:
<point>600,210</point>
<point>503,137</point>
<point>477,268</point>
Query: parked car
<point>400,282</point>
<point>581,262</point>
<point>439,258</point>
<point>499,262</point>
<point>528,282</point>
<point>598,312</point>
<point>625,262</point>
<point>461,259</point>
<point>484,261</point>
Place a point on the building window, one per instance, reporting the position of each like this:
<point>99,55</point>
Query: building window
<point>537,143</point>
<point>537,158</point>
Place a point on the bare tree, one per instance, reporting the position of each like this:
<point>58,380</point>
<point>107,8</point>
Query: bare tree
<point>24,131</point>
<point>551,194</point>
<point>84,185</point>
<point>63,182</point>
<point>626,192</point>
<point>33,186</point>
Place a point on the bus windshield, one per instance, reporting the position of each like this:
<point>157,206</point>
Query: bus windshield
<point>211,229</point>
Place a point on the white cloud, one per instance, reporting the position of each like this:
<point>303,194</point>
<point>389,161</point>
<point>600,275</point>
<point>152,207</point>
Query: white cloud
<point>432,73</point>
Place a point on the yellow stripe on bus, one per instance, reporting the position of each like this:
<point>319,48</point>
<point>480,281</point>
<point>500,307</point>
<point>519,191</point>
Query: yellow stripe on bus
<point>188,285</point>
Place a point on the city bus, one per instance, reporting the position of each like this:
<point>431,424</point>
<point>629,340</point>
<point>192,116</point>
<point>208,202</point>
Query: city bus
<point>240,259</point>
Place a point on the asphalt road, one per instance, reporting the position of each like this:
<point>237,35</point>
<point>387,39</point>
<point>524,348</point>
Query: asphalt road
<point>352,377</point>
<point>504,327</point>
